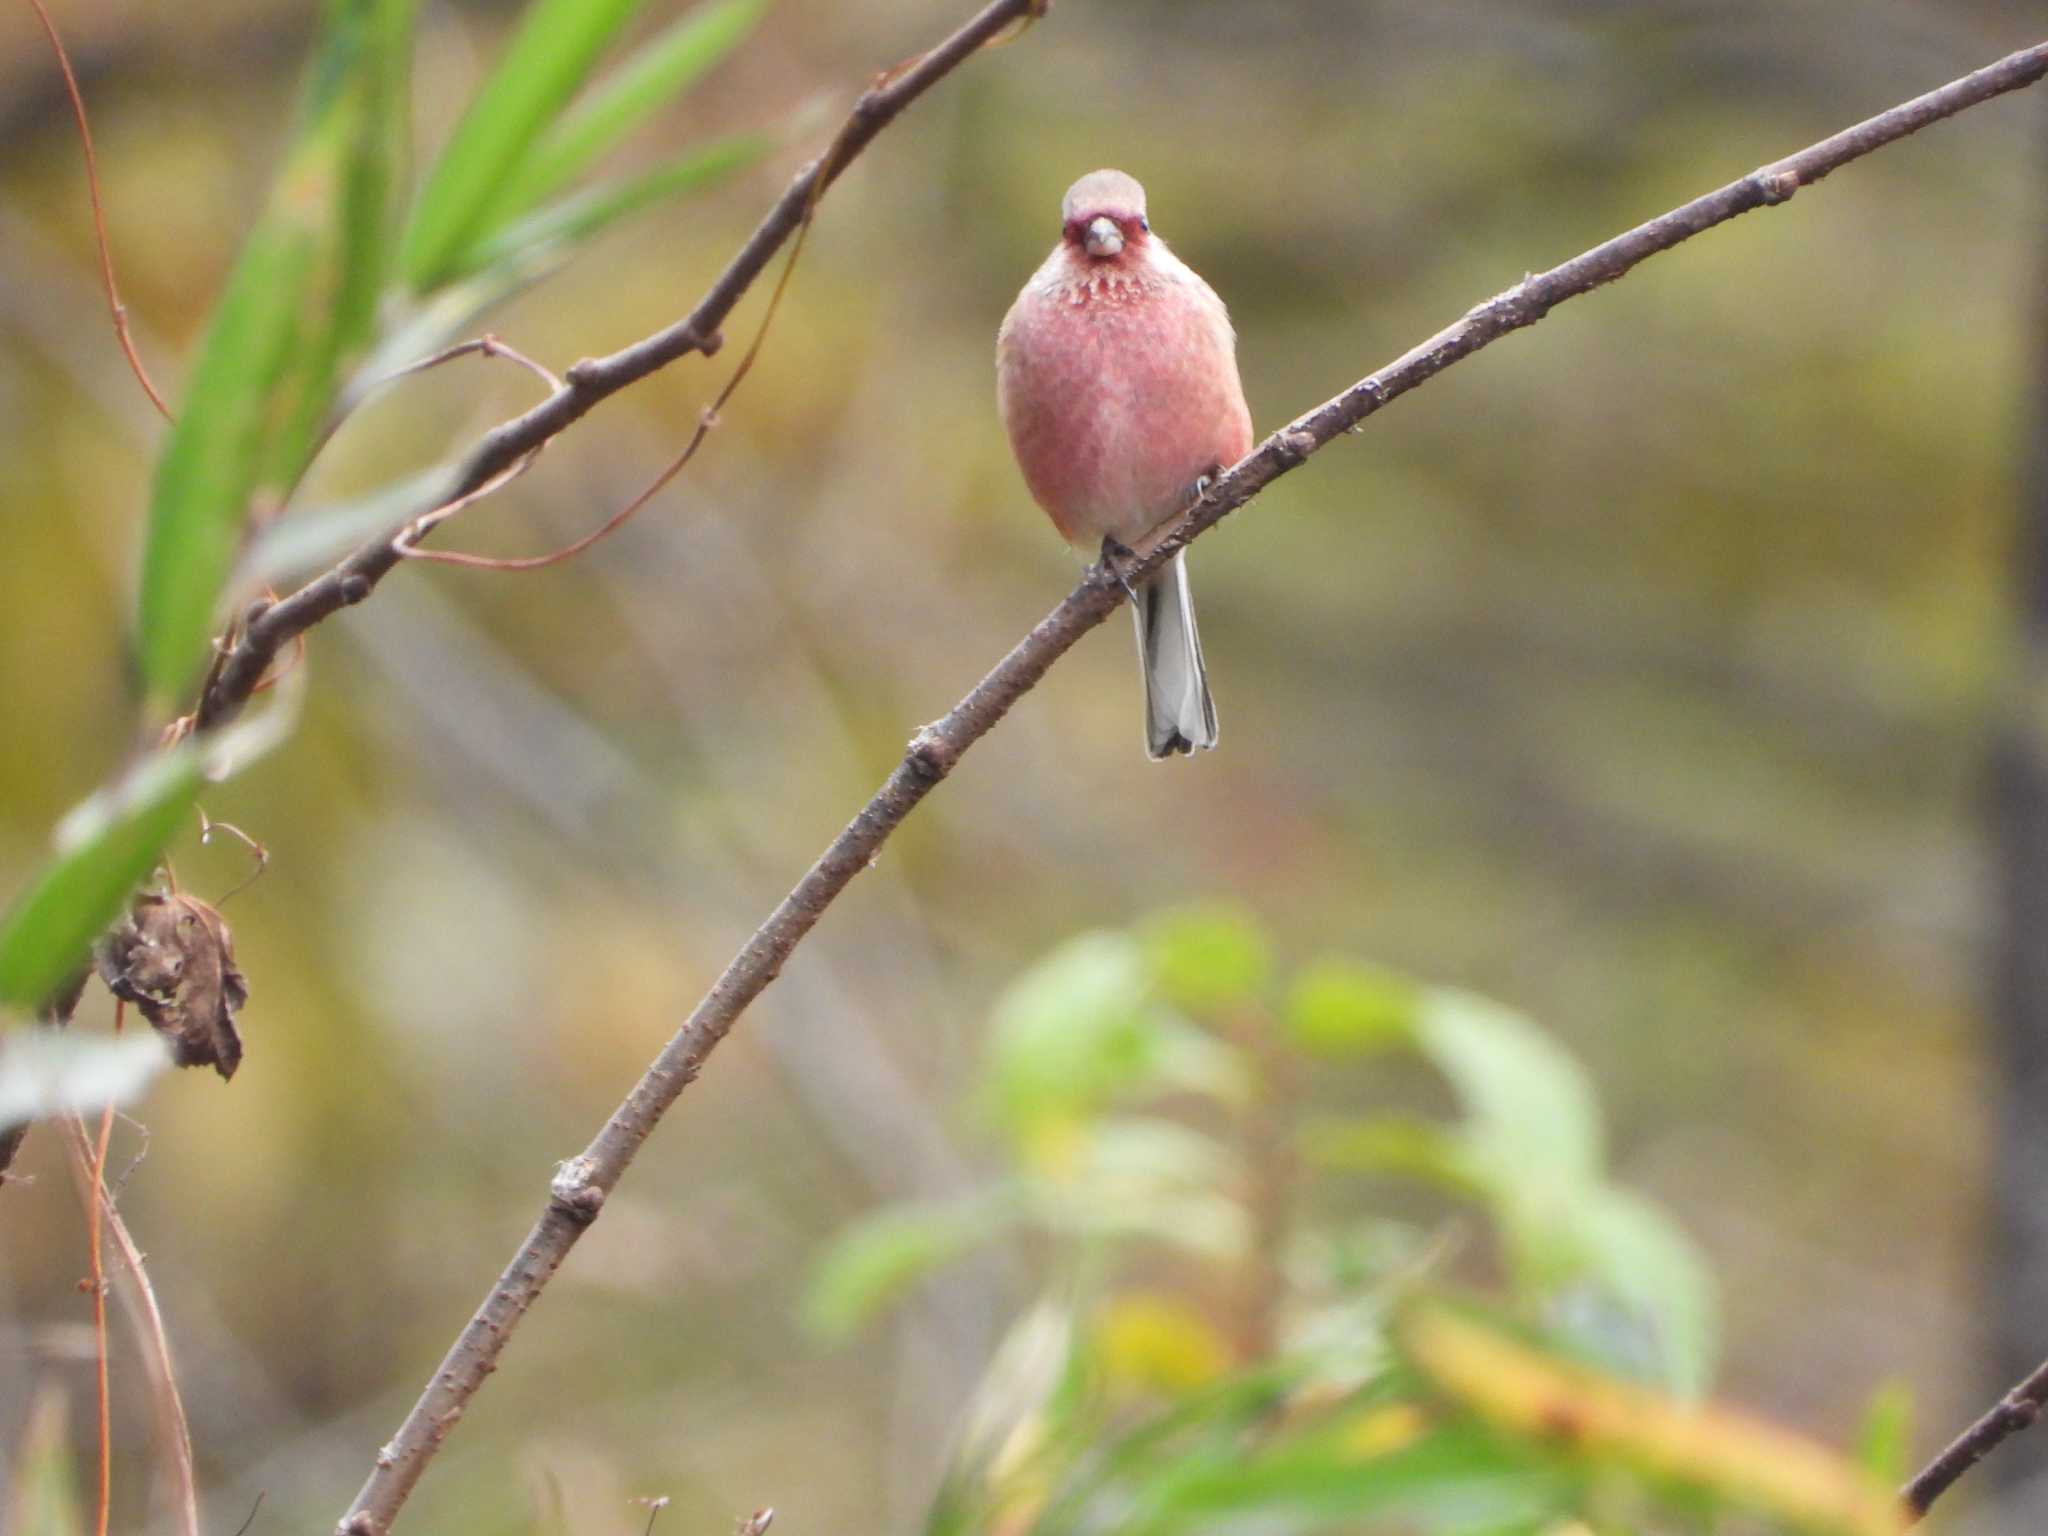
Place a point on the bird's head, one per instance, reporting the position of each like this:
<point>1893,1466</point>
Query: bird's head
<point>1103,217</point>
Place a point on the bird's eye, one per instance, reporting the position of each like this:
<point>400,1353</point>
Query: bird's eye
<point>1144,223</point>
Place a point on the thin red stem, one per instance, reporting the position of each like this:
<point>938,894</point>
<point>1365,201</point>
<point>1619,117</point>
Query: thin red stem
<point>115,307</point>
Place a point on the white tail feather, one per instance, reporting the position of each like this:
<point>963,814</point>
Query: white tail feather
<point>1179,713</point>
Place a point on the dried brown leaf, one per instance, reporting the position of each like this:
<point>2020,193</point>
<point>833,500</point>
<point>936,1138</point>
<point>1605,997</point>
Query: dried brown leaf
<point>173,957</point>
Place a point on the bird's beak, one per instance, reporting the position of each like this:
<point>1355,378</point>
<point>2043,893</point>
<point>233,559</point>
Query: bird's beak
<point>1102,237</point>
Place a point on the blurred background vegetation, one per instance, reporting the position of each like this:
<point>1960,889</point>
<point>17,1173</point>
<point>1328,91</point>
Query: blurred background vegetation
<point>1639,673</point>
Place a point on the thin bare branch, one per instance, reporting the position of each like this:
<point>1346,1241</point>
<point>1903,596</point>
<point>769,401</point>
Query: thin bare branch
<point>2019,1409</point>
<point>580,1186</point>
<point>115,307</point>
<point>258,854</point>
<point>254,1510</point>
<point>138,1299</point>
<point>407,543</point>
<point>95,1212</point>
<point>485,346</point>
<point>267,626</point>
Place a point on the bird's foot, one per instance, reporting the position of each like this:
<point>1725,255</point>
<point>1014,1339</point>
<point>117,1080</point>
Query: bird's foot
<point>1116,555</point>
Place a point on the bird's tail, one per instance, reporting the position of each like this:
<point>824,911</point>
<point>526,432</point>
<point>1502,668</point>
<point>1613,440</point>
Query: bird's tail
<point>1179,714</point>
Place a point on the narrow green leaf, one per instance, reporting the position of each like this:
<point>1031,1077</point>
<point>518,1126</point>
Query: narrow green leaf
<point>527,251</point>
<point>872,1264</point>
<point>549,235</point>
<point>365,55</point>
<point>107,846</point>
<point>301,297</point>
<point>209,469</point>
<point>113,843</point>
<point>1458,1478</point>
<point>547,60</point>
<point>1028,1406</point>
<point>660,72</point>
<point>306,539</point>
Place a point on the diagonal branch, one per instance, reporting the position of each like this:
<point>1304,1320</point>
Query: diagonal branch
<point>2019,1409</point>
<point>268,627</point>
<point>577,1194</point>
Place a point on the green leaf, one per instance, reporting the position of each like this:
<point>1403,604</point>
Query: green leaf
<point>365,58</point>
<point>1456,1478</point>
<point>304,540</point>
<point>299,300</point>
<point>1208,959</point>
<point>1391,1144</point>
<point>547,60</point>
<point>1341,1008</point>
<point>1884,1444</point>
<point>208,473</point>
<point>1147,1179</point>
<point>872,1264</point>
<point>1528,1105</point>
<point>1028,1408</point>
<point>1713,1459</point>
<point>514,258</point>
<point>1636,1254</point>
<point>43,1071</point>
<point>1071,1034</point>
<point>522,248</point>
<point>107,846</point>
<point>44,1499</point>
<point>660,72</point>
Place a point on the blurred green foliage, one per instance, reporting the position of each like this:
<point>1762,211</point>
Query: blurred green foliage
<point>304,301</point>
<point>43,1497</point>
<point>1635,670</point>
<point>1225,1338</point>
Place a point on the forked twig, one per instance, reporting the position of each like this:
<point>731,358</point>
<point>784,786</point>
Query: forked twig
<point>208,826</point>
<point>268,627</point>
<point>706,418</point>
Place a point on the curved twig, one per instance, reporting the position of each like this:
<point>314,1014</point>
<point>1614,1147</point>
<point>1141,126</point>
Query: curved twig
<point>408,543</point>
<point>115,307</point>
<point>580,1186</point>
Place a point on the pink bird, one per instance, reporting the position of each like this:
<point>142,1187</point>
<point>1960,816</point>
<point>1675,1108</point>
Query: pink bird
<point>1116,375</point>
